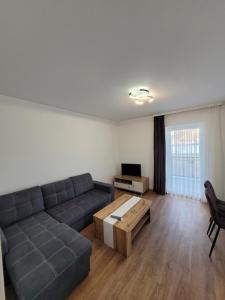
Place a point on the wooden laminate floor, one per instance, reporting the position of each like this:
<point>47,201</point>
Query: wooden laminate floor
<point>169,260</point>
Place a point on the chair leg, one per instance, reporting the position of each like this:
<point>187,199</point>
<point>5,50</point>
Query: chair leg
<point>214,224</point>
<point>210,224</point>
<point>214,241</point>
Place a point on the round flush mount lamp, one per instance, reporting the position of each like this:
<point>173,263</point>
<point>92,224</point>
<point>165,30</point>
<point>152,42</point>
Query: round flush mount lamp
<point>141,95</point>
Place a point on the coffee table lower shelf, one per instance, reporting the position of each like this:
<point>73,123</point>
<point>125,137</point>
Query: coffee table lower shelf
<point>123,239</point>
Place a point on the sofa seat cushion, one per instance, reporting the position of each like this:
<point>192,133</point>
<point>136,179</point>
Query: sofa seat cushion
<point>82,183</point>
<point>79,207</point>
<point>40,250</point>
<point>93,200</point>
<point>68,212</point>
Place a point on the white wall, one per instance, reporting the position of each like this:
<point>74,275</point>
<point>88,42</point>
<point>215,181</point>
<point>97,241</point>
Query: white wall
<point>39,144</point>
<point>136,144</point>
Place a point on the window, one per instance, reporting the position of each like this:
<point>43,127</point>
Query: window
<point>184,160</point>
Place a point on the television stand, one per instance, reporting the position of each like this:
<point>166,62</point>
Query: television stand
<point>132,183</point>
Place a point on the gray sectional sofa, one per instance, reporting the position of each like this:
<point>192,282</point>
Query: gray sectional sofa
<point>44,257</point>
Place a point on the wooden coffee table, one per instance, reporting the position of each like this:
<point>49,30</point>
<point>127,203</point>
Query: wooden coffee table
<point>124,231</point>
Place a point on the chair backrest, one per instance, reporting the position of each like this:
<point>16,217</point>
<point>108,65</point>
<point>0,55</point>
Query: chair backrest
<point>211,198</point>
<point>209,185</point>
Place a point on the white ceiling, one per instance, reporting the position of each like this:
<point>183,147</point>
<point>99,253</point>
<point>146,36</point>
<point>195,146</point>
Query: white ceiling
<point>85,55</point>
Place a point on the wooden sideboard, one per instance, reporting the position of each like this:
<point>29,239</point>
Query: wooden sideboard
<point>132,183</point>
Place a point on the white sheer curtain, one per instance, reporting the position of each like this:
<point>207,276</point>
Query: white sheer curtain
<point>185,160</point>
<point>214,161</point>
<point>211,160</point>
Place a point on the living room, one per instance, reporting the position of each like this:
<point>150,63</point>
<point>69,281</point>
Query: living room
<point>112,126</point>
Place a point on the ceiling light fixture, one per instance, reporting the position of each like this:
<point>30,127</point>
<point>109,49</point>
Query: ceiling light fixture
<point>141,95</point>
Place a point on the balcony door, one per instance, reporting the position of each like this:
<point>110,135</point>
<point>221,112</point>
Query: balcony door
<point>184,157</point>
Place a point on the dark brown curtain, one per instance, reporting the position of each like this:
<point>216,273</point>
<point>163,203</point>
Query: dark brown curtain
<point>159,156</point>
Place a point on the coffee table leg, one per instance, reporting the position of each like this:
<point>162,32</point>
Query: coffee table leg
<point>123,243</point>
<point>99,234</point>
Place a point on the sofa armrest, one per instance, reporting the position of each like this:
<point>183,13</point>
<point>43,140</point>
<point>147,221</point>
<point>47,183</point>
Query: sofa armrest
<point>4,243</point>
<point>106,187</point>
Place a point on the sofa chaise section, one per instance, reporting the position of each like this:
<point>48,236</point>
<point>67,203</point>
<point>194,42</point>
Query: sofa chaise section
<point>44,258</point>
<point>47,259</point>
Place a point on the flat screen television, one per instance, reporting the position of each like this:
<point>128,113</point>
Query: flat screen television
<point>131,169</point>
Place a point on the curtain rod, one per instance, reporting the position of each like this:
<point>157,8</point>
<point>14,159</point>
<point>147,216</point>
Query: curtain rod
<point>188,109</point>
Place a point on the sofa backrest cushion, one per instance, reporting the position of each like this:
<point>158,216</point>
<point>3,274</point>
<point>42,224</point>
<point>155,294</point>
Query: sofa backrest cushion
<point>57,192</point>
<point>82,183</point>
<point>20,205</point>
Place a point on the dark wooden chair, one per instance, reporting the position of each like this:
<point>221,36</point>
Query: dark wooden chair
<point>217,212</point>
<point>220,204</point>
